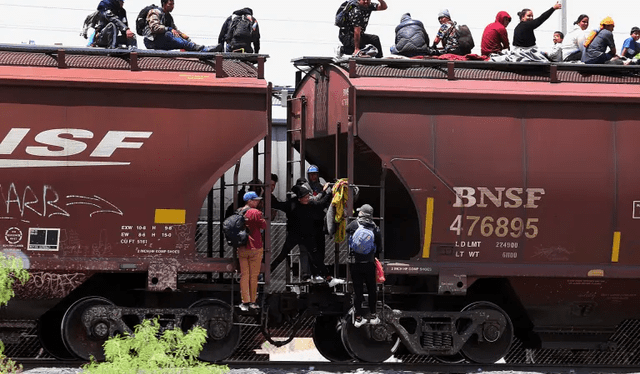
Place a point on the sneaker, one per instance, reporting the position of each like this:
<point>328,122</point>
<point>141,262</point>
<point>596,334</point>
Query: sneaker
<point>336,281</point>
<point>339,52</point>
<point>374,320</point>
<point>306,278</point>
<point>254,306</point>
<point>358,321</point>
<point>317,279</point>
<point>244,307</point>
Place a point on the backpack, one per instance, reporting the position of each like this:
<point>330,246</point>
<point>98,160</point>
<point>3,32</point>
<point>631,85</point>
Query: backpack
<point>235,229</point>
<point>93,21</point>
<point>241,29</point>
<point>465,40</point>
<point>589,39</point>
<point>362,241</point>
<point>141,21</point>
<point>342,15</point>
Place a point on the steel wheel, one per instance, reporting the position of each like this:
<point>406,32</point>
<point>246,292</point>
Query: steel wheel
<point>50,336</point>
<point>368,343</point>
<point>496,336</point>
<point>84,334</point>
<point>223,336</point>
<point>328,341</point>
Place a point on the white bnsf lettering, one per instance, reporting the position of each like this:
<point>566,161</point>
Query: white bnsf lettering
<point>67,142</point>
<point>498,196</point>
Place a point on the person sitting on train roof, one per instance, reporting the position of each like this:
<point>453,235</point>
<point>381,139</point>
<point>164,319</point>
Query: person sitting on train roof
<point>598,42</point>
<point>114,32</point>
<point>353,36</point>
<point>524,39</point>
<point>161,31</point>
<point>573,43</point>
<point>250,256</point>
<point>447,34</point>
<point>555,55</point>
<point>411,38</point>
<point>239,31</point>
<point>495,38</point>
<point>362,263</point>
<point>631,47</point>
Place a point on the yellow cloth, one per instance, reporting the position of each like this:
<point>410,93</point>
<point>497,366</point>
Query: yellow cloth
<point>339,201</point>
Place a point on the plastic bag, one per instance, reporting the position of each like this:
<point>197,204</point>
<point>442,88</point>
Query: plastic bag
<point>379,272</point>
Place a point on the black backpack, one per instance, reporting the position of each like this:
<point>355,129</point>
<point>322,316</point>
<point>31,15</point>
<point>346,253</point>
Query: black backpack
<point>241,29</point>
<point>465,40</point>
<point>342,15</point>
<point>141,21</point>
<point>235,229</point>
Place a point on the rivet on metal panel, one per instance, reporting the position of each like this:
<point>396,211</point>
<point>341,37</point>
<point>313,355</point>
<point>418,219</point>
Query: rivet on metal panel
<point>133,61</point>
<point>261,61</point>
<point>60,57</point>
<point>451,71</point>
<point>352,69</point>
<point>219,69</point>
<point>553,72</point>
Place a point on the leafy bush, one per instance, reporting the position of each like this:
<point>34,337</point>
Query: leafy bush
<point>145,352</point>
<point>10,270</point>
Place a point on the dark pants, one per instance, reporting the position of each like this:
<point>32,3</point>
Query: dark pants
<point>361,274</point>
<point>289,243</point>
<point>168,41</point>
<point>575,56</point>
<point>110,37</point>
<point>364,40</point>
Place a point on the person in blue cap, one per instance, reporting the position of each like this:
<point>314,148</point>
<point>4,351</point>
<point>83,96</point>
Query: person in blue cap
<point>250,256</point>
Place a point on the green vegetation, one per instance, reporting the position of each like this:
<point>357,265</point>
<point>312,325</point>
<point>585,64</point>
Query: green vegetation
<point>145,352</point>
<point>10,270</point>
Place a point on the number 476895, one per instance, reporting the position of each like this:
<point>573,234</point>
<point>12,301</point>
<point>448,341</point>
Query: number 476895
<point>500,227</point>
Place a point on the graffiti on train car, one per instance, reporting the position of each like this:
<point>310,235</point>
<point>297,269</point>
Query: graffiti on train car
<point>42,285</point>
<point>63,143</point>
<point>24,201</point>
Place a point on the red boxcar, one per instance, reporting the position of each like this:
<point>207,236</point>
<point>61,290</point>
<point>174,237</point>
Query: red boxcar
<point>106,158</point>
<point>510,191</point>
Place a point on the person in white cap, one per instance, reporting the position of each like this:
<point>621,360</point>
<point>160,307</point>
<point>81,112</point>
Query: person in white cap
<point>447,34</point>
<point>364,245</point>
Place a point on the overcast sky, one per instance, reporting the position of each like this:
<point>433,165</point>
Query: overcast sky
<point>293,29</point>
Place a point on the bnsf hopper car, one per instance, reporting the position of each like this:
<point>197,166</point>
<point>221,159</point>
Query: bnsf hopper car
<point>508,196</point>
<point>106,160</point>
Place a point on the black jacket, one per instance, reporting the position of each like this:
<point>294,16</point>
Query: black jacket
<point>301,218</point>
<point>113,12</point>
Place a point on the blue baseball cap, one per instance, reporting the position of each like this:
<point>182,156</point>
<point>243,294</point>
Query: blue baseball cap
<point>313,169</point>
<point>251,195</point>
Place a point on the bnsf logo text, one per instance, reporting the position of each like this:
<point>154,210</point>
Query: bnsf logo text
<point>498,196</point>
<point>63,143</point>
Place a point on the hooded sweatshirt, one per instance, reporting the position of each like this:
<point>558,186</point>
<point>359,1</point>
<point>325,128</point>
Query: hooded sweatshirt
<point>411,38</point>
<point>495,37</point>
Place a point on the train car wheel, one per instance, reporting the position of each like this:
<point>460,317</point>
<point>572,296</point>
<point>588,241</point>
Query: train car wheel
<point>50,336</point>
<point>223,336</point>
<point>369,343</point>
<point>328,340</point>
<point>494,344</point>
<point>83,334</point>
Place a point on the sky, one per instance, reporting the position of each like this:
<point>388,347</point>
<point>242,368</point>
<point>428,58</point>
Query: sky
<point>292,29</point>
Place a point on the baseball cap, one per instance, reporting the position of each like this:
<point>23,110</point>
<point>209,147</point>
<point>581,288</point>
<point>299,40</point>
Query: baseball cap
<point>635,29</point>
<point>607,21</point>
<point>444,13</point>
<point>251,195</point>
<point>365,211</point>
<point>313,169</point>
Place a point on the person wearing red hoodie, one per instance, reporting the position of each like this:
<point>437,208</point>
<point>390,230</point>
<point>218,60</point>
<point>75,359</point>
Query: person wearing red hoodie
<point>495,37</point>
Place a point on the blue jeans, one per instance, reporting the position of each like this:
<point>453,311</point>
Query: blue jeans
<point>168,41</point>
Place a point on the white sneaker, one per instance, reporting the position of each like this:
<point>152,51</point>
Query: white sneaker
<point>244,307</point>
<point>358,321</point>
<point>374,320</point>
<point>336,281</point>
<point>317,279</point>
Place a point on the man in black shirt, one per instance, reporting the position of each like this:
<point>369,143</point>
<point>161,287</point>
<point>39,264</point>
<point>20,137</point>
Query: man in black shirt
<point>353,37</point>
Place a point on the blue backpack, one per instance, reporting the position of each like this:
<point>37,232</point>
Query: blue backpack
<point>362,241</point>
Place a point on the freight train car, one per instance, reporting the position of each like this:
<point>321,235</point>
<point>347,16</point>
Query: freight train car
<point>106,159</point>
<point>507,193</point>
